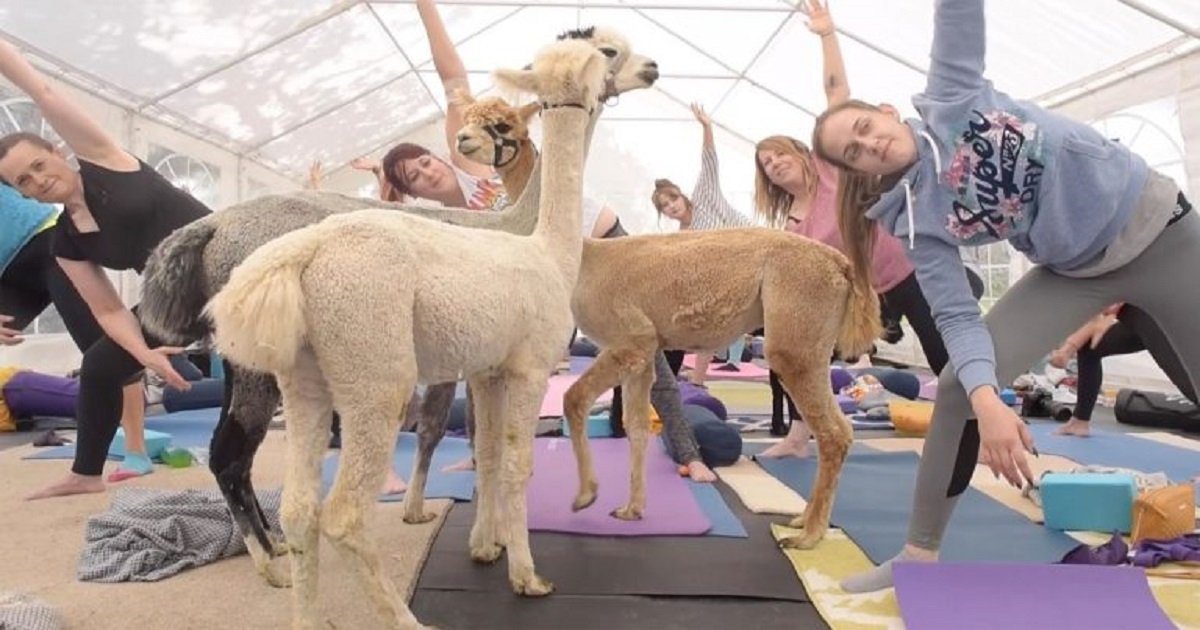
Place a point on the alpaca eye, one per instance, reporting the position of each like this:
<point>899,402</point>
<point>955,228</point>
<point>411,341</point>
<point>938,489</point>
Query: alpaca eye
<point>503,127</point>
<point>609,52</point>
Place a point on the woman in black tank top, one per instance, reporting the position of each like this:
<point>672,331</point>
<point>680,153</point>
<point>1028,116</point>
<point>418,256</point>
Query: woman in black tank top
<point>116,210</point>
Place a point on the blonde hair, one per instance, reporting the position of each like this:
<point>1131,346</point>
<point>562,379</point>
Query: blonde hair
<point>856,193</point>
<point>662,187</point>
<point>772,202</point>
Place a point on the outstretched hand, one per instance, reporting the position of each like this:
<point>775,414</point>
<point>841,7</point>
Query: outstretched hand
<point>9,336</point>
<point>159,360</point>
<point>819,20</point>
<point>1004,440</point>
<point>701,115</point>
<point>364,164</point>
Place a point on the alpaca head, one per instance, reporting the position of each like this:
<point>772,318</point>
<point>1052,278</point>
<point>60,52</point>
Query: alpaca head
<point>627,70</point>
<point>567,73</point>
<point>493,132</point>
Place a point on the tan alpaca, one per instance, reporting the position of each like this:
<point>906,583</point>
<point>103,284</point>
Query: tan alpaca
<point>433,302</point>
<point>692,290</point>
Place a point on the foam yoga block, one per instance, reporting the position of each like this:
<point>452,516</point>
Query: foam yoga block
<point>1099,502</point>
<point>839,378</point>
<point>156,443</point>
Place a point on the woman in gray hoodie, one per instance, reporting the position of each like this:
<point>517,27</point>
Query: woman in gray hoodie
<point>980,167</point>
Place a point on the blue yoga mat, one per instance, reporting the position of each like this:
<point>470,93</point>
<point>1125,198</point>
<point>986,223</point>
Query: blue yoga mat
<point>1104,448</point>
<point>188,429</point>
<point>874,502</point>
<point>724,522</point>
<point>459,486</point>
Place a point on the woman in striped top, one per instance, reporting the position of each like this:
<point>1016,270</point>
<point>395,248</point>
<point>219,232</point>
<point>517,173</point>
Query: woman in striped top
<point>706,209</point>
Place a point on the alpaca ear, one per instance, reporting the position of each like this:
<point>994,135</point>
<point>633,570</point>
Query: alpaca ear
<point>519,80</point>
<point>528,110</point>
<point>462,97</point>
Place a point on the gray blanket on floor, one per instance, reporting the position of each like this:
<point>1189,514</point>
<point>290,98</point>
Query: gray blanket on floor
<point>22,612</point>
<point>148,535</point>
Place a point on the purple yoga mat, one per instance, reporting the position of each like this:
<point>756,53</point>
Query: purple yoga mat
<point>933,596</point>
<point>671,507</point>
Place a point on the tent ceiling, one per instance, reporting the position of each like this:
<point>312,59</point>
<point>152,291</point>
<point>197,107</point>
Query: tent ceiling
<point>285,83</point>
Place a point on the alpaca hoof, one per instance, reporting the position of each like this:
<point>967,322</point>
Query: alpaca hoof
<point>486,554</point>
<point>586,496</point>
<point>583,501</point>
<point>797,522</point>
<point>533,586</point>
<point>801,541</point>
<point>419,518</point>
<point>627,513</point>
<point>276,577</point>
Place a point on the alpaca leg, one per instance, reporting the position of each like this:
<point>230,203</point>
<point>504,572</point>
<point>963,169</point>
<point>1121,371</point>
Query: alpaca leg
<point>307,406</point>
<point>602,375</point>
<point>637,425</point>
<point>486,537</point>
<point>435,414</point>
<point>249,401</point>
<point>807,382</point>
<point>371,423</point>
<point>525,392</point>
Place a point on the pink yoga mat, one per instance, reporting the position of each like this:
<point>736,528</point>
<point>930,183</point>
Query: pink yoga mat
<point>746,371</point>
<point>933,596</point>
<point>552,404</point>
<point>671,507</point>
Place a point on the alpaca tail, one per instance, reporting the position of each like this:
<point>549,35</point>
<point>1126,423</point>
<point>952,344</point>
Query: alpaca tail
<point>860,323</point>
<point>173,287</point>
<point>259,314</point>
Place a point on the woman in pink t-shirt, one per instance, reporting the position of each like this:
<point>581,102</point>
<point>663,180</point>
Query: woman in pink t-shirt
<point>797,190</point>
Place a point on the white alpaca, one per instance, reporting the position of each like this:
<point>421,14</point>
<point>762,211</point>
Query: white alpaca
<point>354,311</point>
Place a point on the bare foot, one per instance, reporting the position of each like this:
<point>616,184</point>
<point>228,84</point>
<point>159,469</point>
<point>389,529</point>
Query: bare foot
<point>1076,427</point>
<point>71,484</point>
<point>701,473</point>
<point>787,447</point>
<point>393,484</point>
<point>461,466</point>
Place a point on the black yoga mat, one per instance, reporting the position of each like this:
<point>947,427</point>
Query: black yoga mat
<point>699,566</point>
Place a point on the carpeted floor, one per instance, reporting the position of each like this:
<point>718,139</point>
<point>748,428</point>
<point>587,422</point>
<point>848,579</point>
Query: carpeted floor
<point>41,542</point>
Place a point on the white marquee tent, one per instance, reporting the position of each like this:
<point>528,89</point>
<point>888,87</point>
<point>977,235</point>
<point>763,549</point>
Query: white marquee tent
<point>234,98</point>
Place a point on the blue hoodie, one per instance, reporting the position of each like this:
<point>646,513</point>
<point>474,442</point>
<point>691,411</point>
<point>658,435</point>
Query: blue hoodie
<point>21,218</point>
<point>991,168</point>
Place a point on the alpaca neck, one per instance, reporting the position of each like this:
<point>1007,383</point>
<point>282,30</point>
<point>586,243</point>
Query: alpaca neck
<point>521,217</point>
<point>515,174</point>
<point>560,211</point>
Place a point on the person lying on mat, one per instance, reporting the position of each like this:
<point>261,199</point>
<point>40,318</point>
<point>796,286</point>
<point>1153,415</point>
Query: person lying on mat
<point>116,210</point>
<point>706,209</point>
<point>1119,329</point>
<point>797,190</point>
<point>981,167</point>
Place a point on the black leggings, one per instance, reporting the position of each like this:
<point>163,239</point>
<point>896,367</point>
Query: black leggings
<point>33,281</point>
<point>106,369</point>
<point>1133,332</point>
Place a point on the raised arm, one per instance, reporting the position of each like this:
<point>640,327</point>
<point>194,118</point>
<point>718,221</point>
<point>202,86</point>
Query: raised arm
<point>959,44</point>
<point>117,321</point>
<point>837,88</point>
<point>81,133</point>
<point>453,74</point>
<point>706,124</point>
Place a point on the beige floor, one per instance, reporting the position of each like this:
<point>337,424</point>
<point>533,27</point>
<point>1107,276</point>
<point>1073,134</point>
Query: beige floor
<point>41,542</point>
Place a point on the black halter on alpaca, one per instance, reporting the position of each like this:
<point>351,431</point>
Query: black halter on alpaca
<point>499,143</point>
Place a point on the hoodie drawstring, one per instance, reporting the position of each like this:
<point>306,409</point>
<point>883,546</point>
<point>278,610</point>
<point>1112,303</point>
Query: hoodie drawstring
<point>908,199</point>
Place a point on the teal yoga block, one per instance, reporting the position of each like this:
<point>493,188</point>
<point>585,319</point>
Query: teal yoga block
<point>156,443</point>
<point>1098,502</point>
<point>598,426</point>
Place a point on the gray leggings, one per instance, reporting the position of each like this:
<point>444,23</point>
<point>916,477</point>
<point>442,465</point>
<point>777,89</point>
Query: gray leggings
<point>1037,313</point>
